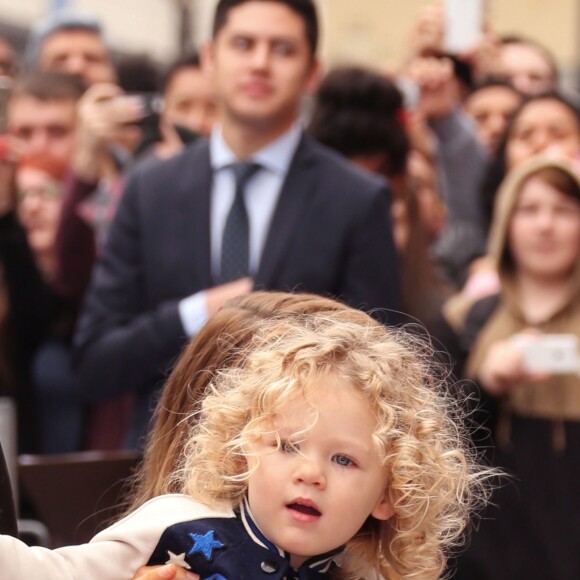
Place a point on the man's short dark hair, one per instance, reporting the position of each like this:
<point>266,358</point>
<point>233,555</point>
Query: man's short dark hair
<point>306,9</point>
<point>49,86</point>
<point>359,112</point>
<point>138,73</point>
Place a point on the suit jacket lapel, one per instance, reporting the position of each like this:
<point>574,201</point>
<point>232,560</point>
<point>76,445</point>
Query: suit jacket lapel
<point>299,187</point>
<point>194,205</point>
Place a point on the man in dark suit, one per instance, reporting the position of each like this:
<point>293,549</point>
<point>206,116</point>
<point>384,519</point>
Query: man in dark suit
<point>316,224</point>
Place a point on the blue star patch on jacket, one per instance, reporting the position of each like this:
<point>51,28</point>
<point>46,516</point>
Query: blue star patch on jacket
<point>234,548</point>
<point>205,544</point>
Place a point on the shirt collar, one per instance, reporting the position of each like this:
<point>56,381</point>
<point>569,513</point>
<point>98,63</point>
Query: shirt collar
<point>276,156</point>
<point>321,563</point>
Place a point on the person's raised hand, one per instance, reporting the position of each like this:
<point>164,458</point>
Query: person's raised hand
<point>485,57</point>
<point>428,32</point>
<point>105,115</point>
<point>438,87</point>
<point>503,368</point>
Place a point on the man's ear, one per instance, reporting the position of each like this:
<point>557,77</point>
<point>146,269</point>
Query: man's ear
<point>206,58</point>
<point>314,76</point>
<point>384,508</point>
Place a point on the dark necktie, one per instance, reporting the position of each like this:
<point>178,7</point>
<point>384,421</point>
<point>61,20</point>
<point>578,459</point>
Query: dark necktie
<point>236,238</point>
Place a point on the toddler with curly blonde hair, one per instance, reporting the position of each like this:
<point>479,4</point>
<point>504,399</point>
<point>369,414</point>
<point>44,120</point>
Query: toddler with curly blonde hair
<point>332,450</point>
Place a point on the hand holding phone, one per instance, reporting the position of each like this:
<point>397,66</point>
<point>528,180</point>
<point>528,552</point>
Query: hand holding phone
<point>549,353</point>
<point>149,105</point>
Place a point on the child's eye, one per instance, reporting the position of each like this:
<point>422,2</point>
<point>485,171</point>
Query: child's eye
<point>288,447</point>
<point>343,461</point>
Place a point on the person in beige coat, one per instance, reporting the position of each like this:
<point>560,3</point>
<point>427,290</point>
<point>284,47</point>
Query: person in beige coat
<point>529,391</point>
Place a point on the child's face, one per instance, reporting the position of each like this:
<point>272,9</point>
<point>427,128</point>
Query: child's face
<point>314,496</point>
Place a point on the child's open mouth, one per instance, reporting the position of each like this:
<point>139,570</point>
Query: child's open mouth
<point>304,511</point>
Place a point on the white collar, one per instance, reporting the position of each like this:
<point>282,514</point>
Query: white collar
<point>276,156</point>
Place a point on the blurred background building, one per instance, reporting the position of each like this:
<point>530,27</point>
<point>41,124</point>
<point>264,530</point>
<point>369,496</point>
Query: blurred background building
<point>368,31</point>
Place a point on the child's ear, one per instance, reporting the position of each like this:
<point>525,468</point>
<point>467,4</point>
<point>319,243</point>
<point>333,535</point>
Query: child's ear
<point>384,508</point>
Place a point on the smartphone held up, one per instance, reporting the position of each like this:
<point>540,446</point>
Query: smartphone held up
<point>549,353</point>
<point>463,24</point>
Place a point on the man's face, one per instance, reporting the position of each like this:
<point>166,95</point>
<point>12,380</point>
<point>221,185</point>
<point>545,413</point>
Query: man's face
<point>491,108</point>
<point>78,52</point>
<point>189,101</point>
<point>44,127</point>
<point>527,68</point>
<point>542,125</point>
<point>262,65</point>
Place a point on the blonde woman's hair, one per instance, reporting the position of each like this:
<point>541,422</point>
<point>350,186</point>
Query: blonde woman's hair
<point>434,482</point>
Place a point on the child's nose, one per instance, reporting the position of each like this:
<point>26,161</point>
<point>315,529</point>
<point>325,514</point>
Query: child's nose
<point>310,472</point>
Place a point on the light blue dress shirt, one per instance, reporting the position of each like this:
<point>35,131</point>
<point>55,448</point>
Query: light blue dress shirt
<point>261,195</point>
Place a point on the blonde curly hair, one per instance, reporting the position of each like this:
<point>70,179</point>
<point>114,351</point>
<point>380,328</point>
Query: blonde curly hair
<point>435,481</point>
<point>220,344</point>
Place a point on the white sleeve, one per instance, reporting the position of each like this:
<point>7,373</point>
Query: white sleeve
<point>193,313</point>
<point>114,554</point>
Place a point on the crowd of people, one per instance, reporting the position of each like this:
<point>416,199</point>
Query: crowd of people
<point>217,210</point>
